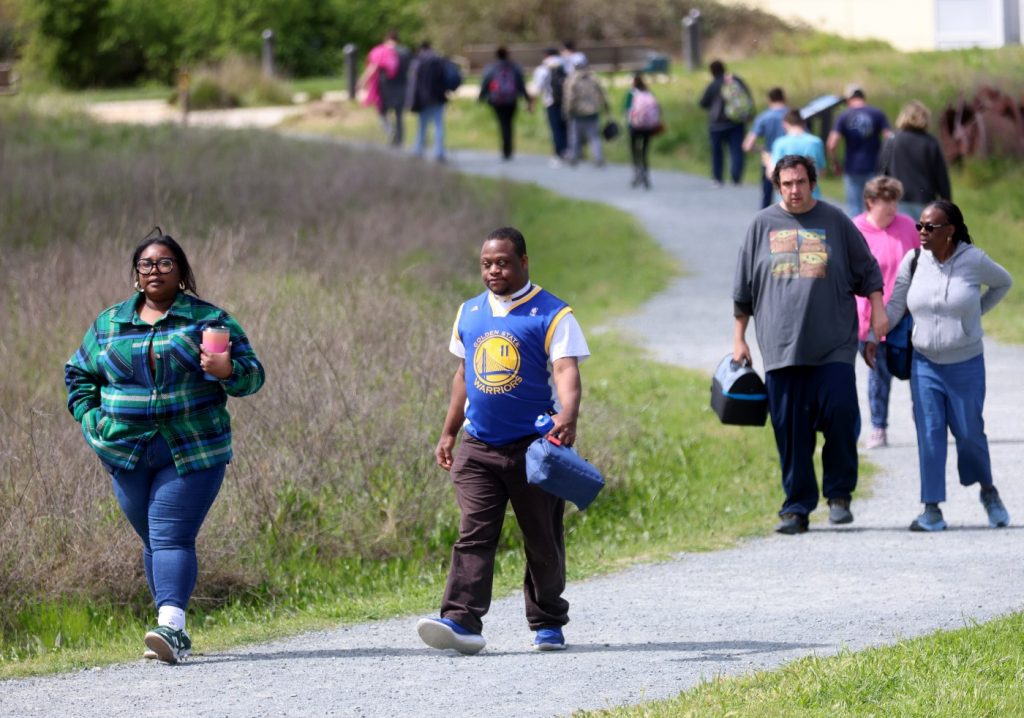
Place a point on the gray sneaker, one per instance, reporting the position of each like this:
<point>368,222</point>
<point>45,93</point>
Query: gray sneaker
<point>169,645</point>
<point>839,511</point>
<point>997,513</point>
<point>929,520</point>
<point>792,524</point>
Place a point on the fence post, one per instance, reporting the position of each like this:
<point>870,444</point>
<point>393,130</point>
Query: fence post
<point>351,71</point>
<point>183,94</point>
<point>268,53</point>
<point>691,40</point>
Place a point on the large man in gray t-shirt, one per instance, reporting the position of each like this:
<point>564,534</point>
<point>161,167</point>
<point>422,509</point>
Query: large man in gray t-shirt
<point>799,268</point>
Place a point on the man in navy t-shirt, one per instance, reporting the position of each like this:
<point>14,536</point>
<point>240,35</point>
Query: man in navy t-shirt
<point>863,127</point>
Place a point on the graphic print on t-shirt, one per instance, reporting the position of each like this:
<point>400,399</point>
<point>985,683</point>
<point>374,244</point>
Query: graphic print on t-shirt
<point>799,253</point>
<point>496,362</point>
<point>861,123</point>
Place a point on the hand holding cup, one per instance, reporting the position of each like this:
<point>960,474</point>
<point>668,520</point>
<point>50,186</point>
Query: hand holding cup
<point>215,353</point>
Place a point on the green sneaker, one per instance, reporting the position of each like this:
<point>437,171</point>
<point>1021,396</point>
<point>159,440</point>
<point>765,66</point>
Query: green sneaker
<point>169,645</point>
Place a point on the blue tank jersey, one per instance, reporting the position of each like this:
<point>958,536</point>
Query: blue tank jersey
<point>508,382</point>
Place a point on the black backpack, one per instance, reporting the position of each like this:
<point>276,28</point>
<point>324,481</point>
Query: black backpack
<point>558,76</point>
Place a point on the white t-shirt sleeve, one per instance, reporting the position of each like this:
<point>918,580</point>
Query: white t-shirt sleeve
<point>567,340</point>
<point>455,345</point>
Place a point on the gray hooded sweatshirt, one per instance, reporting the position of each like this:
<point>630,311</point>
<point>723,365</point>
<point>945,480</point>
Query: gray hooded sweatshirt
<point>947,302</point>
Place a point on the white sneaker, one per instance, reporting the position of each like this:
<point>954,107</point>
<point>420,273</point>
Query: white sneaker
<point>877,439</point>
<point>555,162</point>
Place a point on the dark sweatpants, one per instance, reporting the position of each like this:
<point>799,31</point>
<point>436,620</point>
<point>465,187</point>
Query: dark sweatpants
<point>505,114</point>
<point>486,478</point>
<point>804,400</point>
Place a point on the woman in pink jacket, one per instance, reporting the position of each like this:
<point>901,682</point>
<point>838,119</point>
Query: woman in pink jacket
<point>890,236</point>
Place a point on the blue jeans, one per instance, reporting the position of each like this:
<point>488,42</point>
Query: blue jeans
<point>767,192</point>
<point>559,130</point>
<point>166,511</point>
<point>879,384</point>
<point>733,137</point>
<point>431,116</point>
<point>950,395</point>
<point>804,400</point>
<point>854,186</point>
<point>585,128</point>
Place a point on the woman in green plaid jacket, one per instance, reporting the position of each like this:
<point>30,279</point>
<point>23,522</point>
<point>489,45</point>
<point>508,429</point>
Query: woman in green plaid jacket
<point>151,402</point>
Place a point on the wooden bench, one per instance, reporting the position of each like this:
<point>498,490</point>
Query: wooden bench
<point>631,55</point>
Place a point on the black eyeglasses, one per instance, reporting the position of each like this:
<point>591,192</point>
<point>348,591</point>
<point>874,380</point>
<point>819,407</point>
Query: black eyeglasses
<point>164,265</point>
<point>929,227</point>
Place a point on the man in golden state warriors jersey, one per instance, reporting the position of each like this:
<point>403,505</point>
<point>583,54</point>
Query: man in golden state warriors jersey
<point>520,348</point>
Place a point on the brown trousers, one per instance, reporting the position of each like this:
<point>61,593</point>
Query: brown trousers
<point>486,479</point>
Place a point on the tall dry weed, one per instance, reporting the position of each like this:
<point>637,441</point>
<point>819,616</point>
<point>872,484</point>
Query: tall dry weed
<point>334,262</point>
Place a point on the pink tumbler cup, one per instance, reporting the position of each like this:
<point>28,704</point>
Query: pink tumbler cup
<point>215,341</point>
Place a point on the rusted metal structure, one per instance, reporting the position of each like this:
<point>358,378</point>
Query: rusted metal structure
<point>989,124</point>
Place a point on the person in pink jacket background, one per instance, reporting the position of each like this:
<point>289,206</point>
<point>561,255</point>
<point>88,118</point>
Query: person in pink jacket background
<point>890,235</point>
<point>384,59</point>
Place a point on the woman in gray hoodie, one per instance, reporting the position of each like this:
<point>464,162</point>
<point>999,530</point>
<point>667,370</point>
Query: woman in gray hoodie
<point>944,295</point>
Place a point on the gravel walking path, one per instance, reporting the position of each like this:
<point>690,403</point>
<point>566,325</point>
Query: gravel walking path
<point>655,630</point>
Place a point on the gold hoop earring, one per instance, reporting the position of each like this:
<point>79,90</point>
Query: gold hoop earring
<point>138,287</point>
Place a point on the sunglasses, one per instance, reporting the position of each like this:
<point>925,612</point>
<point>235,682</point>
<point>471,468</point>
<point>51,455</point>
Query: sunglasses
<point>928,226</point>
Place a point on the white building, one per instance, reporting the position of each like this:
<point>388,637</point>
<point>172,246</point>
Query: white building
<point>908,24</point>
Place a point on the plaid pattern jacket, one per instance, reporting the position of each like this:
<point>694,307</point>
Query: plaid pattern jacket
<point>122,400</point>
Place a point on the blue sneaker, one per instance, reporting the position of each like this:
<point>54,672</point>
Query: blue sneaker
<point>930,520</point>
<point>445,633</point>
<point>997,514</point>
<point>549,639</point>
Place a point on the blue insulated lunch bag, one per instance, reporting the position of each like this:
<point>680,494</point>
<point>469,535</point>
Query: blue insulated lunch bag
<point>561,471</point>
<point>738,395</point>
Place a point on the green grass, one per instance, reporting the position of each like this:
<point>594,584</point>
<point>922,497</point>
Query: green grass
<point>669,480</point>
<point>976,671</point>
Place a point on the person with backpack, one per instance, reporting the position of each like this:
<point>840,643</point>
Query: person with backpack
<point>431,78</point>
<point>384,79</point>
<point>549,82</point>
<point>643,118</point>
<point>583,103</point>
<point>730,106</point>
<point>501,86</point>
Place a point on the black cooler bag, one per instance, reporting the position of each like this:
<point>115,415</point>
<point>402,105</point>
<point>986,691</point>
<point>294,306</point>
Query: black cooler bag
<point>738,395</point>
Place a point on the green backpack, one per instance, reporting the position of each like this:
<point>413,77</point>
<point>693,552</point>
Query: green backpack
<point>737,105</point>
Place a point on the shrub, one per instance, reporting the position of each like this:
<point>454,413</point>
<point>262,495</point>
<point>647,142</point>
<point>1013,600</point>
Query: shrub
<point>207,94</point>
<point>233,82</point>
<point>83,43</point>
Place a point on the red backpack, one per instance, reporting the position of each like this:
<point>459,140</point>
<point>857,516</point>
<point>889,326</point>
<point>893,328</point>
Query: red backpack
<point>501,90</point>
